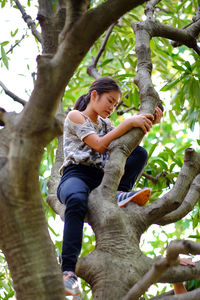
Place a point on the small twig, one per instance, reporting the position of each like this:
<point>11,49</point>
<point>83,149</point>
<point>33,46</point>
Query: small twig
<point>12,95</point>
<point>152,178</point>
<point>121,112</point>
<point>92,69</point>
<point>28,20</point>
<point>17,43</point>
<point>102,48</point>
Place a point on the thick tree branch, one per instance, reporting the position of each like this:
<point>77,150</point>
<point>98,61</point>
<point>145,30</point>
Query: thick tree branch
<point>148,95</point>
<point>54,180</point>
<point>12,95</point>
<point>186,37</point>
<point>161,265</point>
<point>186,206</point>
<point>75,9</point>
<point>28,20</point>
<point>45,8</point>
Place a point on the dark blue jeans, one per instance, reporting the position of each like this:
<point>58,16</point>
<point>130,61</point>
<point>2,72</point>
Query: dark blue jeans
<point>75,185</point>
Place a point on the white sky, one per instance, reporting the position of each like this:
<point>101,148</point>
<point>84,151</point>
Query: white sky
<point>18,78</point>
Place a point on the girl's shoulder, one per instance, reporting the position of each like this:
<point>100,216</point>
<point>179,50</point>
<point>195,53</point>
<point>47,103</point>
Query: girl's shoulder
<point>76,117</point>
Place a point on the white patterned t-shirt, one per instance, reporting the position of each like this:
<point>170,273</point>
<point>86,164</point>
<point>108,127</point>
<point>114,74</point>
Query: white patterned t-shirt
<point>78,152</point>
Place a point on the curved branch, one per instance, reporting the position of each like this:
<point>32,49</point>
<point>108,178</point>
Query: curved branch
<point>173,199</point>
<point>161,265</point>
<point>186,206</point>
<point>121,112</point>
<point>148,95</point>
<point>28,20</point>
<point>156,178</point>
<point>12,95</point>
<point>92,69</point>
<point>54,180</point>
<point>186,37</point>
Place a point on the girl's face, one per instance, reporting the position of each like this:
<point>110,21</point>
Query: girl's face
<point>105,104</point>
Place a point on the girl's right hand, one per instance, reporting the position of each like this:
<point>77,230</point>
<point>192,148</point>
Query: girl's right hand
<point>143,121</point>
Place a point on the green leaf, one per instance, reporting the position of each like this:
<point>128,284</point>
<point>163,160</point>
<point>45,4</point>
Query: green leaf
<point>107,61</point>
<point>4,43</point>
<point>178,68</point>
<point>194,236</point>
<point>4,57</point>
<point>188,66</point>
<point>172,117</point>
<point>160,162</point>
<point>170,85</point>
<point>14,33</point>
<point>3,3</point>
<point>152,45</point>
<point>136,98</point>
<point>195,220</point>
<point>153,147</point>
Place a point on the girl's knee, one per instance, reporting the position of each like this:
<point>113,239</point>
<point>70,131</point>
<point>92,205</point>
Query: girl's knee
<point>139,154</point>
<point>142,152</point>
<point>77,202</point>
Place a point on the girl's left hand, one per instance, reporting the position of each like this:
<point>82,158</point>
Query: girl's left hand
<point>158,115</point>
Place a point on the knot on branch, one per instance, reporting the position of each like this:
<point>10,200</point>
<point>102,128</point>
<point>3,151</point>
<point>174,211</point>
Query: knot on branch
<point>116,146</point>
<point>41,18</point>
<point>189,155</point>
<point>138,26</point>
<point>2,112</point>
<point>26,18</point>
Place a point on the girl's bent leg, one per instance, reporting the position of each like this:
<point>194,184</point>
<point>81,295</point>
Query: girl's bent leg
<point>74,193</point>
<point>134,166</point>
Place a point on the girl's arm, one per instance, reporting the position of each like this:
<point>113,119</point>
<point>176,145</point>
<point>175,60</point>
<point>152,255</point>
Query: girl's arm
<point>100,144</point>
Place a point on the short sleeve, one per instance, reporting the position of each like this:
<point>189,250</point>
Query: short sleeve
<point>81,130</point>
<point>110,126</point>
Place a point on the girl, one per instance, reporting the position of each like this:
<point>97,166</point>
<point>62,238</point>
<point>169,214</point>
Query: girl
<point>87,134</point>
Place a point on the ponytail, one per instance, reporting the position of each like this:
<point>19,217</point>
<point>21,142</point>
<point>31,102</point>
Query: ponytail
<point>101,85</point>
<point>82,102</point>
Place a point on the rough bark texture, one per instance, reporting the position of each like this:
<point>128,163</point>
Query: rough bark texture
<point>117,259</point>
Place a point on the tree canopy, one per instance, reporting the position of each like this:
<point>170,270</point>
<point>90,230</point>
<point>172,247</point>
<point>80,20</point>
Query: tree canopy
<point>152,50</point>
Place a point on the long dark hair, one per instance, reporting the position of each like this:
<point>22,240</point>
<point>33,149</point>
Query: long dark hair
<point>101,85</point>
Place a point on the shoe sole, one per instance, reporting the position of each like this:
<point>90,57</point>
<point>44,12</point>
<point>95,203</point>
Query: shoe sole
<point>72,294</point>
<point>139,198</point>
